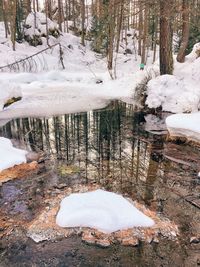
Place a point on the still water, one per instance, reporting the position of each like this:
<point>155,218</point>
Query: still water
<point>112,147</point>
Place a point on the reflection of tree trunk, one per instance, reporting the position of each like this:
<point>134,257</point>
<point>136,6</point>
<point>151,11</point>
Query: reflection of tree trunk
<point>85,121</point>
<point>151,178</point>
<point>29,131</point>
<point>138,160</point>
<point>66,136</point>
<point>154,162</point>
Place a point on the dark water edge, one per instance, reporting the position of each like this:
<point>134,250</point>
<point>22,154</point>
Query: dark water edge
<point>117,148</point>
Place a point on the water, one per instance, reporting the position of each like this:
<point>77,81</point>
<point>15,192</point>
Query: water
<point>112,148</point>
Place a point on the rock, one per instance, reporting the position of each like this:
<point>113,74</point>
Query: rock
<point>132,241</point>
<point>195,240</point>
<point>128,51</point>
<point>70,46</point>
<point>156,240</point>
<point>99,81</point>
<point>103,243</point>
<point>32,156</point>
<point>88,238</point>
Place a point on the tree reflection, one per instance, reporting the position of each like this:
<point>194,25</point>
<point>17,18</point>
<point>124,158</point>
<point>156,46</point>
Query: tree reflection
<point>108,146</point>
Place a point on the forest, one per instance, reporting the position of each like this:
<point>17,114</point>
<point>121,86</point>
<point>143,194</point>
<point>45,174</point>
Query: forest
<point>99,133</point>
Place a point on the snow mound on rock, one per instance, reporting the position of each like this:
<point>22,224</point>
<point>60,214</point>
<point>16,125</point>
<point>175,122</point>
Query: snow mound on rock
<point>8,91</point>
<point>9,155</point>
<point>187,125</point>
<point>102,210</point>
<point>36,24</point>
<point>172,94</point>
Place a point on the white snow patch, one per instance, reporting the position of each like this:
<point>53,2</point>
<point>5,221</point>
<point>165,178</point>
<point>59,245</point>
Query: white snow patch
<point>102,210</point>
<point>9,155</point>
<point>187,125</point>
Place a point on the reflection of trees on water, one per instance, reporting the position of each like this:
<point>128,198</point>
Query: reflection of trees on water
<point>108,146</point>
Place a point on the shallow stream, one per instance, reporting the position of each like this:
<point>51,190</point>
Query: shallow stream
<point>122,150</point>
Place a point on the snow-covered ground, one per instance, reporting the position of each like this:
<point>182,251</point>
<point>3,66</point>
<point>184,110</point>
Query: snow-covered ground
<point>73,89</point>
<point>179,92</point>
<point>102,210</point>
<point>9,155</point>
<point>76,88</point>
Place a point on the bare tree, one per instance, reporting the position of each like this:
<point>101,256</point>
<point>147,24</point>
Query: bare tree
<point>185,31</point>
<point>166,57</point>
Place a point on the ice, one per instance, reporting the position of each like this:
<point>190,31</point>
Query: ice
<point>106,211</point>
<point>67,92</point>
<point>9,155</point>
<point>187,125</point>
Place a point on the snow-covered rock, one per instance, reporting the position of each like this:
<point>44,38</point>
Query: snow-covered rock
<point>8,91</point>
<point>36,26</point>
<point>179,92</point>
<point>9,155</point>
<point>172,94</point>
<point>194,54</point>
<point>102,210</point>
<point>186,125</point>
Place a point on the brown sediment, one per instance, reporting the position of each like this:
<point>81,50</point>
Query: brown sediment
<point>18,171</point>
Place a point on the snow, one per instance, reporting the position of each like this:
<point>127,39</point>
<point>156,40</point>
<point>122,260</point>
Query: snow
<point>179,92</point>
<point>102,210</point>
<point>73,89</point>
<point>9,155</point>
<point>8,91</point>
<point>36,24</point>
<point>187,125</point>
<point>172,94</point>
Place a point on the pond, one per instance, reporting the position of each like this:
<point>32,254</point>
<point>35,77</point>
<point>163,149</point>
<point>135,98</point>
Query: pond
<point>124,151</point>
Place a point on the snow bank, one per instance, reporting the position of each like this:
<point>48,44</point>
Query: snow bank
<point>9,155</point>
<point>179,92</point>
<point>187,125</point>
<point>194,54</point>
<point>172,94</point>
<point>105,211</point>
<point>8,91</point>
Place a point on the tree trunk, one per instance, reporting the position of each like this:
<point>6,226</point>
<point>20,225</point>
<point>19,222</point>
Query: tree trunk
<point>13,14</point>
<point>185,31</point>
<point>166,57</point>
<point>59,15</point>
<point>83,22</point>
<point>140,30</point>
<point>144,38</point>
